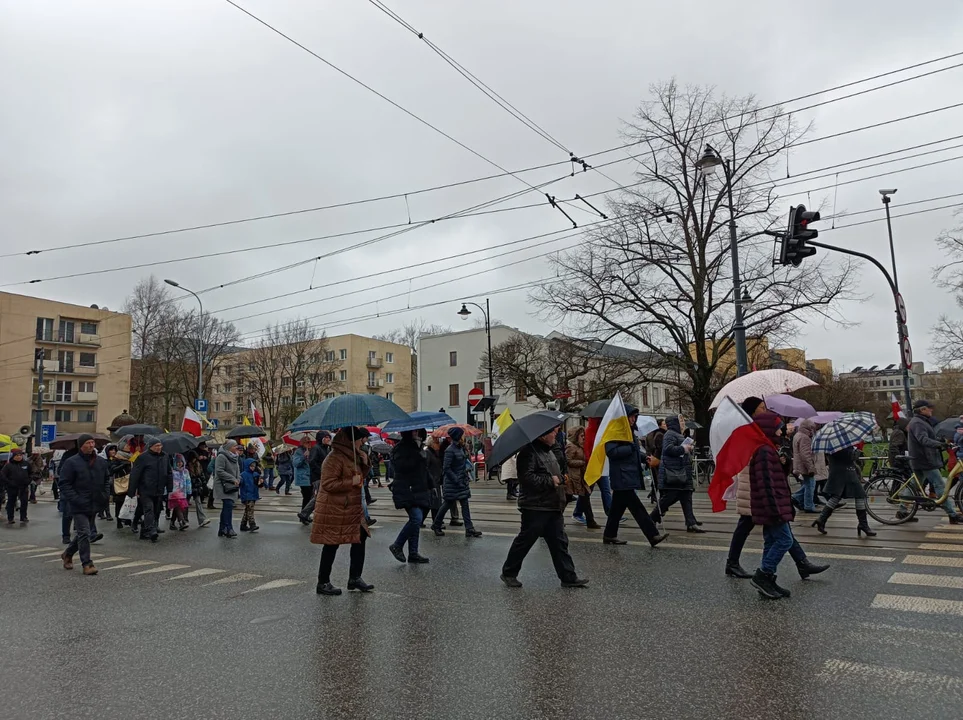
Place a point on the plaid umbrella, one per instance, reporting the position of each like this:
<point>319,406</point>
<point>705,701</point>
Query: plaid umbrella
<point>353,409</point>
<point>850,430</point>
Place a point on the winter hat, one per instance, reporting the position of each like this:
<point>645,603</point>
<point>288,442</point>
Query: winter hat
<point>83,439</point>
<point>751,404</point>
<point>631,410</point>
<point>15,451</point>
<point>229,445</point>
<point>456,434</point>
<point>150,441</point>
<point>919,404</point>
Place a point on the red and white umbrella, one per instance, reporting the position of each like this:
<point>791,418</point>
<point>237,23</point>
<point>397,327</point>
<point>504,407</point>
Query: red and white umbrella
<point>761,383</point>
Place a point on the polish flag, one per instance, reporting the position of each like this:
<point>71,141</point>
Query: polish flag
<point>192,423</point>
<point>894,404</point>
<point>733,437</point>
<point>256,416</point>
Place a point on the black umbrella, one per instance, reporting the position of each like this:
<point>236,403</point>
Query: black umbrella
<point>947,428</point>
<point>69,441</point>
<point>596,409</point>
<point>243,432</point>
<point>178,442</point>
<point>523,431</point>
<point>137,429</point>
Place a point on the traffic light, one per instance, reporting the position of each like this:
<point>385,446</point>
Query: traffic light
<point>794,249</point>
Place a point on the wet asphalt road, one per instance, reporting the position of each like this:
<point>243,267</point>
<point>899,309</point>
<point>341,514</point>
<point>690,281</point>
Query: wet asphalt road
<point>208,628</point>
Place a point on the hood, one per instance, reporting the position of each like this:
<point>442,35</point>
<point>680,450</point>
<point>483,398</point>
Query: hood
<point>672,423</point>
<point>807,427</point>
<point>246,463</point>
<point>902,424</point>
<point>770,423</point>
<point>178,458</point>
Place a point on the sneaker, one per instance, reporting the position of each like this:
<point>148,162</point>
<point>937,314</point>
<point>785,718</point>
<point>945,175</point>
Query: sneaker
<point>576,583</point>
<point>204,524</point>
<point>397,552</point>
<point>511,582</point>
<point>579,520</point>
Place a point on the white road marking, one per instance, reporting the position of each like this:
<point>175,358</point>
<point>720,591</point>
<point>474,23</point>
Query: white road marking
<point>116,558</point>
<point>926,580</point>
<point>26,552</point>
<point>160,569</point>
<point>92,557</point>
<point>943,547</point>
<point>46,554</point>
<point>286,522</point>
<point>239,577</point>
<point>18,547</point>
<point>944,536</point>
<point>895,680</point>
<point>924,605</point>
<point>955,528</point>
<point>201,572</point>
<point>273,585</point>
<point>134,563</point>
<point>935,560</point>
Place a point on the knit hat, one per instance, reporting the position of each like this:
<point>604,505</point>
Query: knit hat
<point>751,404</point>
<point>15,451</point>
<point>150,441</point>
<point>456,434</point>
<point>82,440</point>
<point>229,445</point>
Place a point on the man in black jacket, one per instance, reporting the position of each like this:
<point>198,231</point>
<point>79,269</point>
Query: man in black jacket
<point>85,485</point>
<point>541,501</point>
<point>150,478</point>
<point>15,476</point>
<point>926,455</point>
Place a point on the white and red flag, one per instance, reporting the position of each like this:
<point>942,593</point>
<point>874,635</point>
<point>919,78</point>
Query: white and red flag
<point>192,423</point>
<point>733,437</point>
<point>256,416</point>
<point>894,404</point>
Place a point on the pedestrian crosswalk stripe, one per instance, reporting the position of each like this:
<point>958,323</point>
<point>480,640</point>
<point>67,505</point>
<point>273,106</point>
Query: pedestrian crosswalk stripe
<point>935,560</point>
<point>940,546</point>
<point>134,563</point>
<point>944,536</point>
<point>274,584</point>
<point>160,569</point>
<point>925,605</point>
<point>45,554</point>
<point>201,572</point>
<point>27,552</point>
<point>239,577</point>
<point>958,529</point>
<point>101,561</point>
<point>927,580</point>
<point>93,556</point>
<point>18,547</point>
<point>894,679</point>
<point>285,522</point>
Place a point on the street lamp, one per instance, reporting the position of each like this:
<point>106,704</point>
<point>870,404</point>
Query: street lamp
<point>708,163</point>
<point>463,314</point>
<point>889,227</point>
<point>200,339</point>
<point>902,332</point>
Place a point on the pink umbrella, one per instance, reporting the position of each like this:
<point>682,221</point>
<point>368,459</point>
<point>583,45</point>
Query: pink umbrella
<point>762,383</point>
<point>789,406</point>
<point>826,416</point>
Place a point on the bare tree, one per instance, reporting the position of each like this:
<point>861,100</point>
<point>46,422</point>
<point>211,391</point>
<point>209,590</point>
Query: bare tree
<point>218,336</point>
<point>149,306</point>
<point>263,375</point>
<point>658,276</point>
<point>409,334</point>
<point>947,334</point>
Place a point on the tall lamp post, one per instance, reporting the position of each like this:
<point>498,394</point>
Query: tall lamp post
<point>463,314</point>
<point>200,339</point>
<point>902,331</point>
<point>708,163</point>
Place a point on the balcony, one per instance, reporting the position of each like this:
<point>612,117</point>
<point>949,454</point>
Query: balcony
<point>375,362</point>
<point>375,383</point>
<point>54,367</point>
<point>84,370</point>
<point>88,339</point>
<point>86,398</point>
<point>76,427</point>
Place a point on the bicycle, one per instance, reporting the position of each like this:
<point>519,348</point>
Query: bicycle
<point>893,499</point>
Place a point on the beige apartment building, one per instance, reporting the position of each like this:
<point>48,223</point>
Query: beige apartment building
<point>86,364</point>
<point>353,364</point>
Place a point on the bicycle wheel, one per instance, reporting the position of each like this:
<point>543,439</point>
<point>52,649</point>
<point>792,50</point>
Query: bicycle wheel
<point>890,498</point>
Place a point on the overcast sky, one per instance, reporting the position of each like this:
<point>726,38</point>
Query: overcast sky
<point>126,117</point>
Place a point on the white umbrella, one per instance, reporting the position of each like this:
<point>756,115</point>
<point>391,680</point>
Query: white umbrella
<point>761,383</point>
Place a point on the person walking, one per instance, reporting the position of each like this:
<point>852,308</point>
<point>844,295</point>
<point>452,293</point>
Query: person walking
<point>268,463</point>
<point>199,489</point>
<point>845,482</point>
<point>926,455</point>
<point>339,515</point>
<point>285,472</point>
<point>804,465</point>
<point>119,469</point>
<point>302,476</point>
<point>227,482</point>
<point>178,499</point>
<point>251,480</point>
<point>509,475</point>
<point>319,454</point>
<point>675,475</point>
<point>85,486</point>
<point>574,482</point>
<point>150,479</point>
<point>457,484</point>
<point>434,462</point>
<point>625,476</point>
<point>541,502</point>
<point>411,493</point>
<point>15,476</point>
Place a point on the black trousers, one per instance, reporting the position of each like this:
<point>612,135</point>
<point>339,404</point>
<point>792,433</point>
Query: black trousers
<point>14,494</point>
<point>623,500</point>
<point>328,553</point>
<point>549,526</point>
<point>306,494</point>
<point>668,498</point>
<point>149,508</point>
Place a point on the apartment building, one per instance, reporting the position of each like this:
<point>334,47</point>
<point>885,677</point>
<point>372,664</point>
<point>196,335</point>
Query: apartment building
<point>85,357</point>
<point>883,382</point>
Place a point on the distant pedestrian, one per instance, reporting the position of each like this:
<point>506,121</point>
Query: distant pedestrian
<point>804,465</point>
<point>119,470</point>
<point>339,515</point>
<point>178,499</point>
<point>541,501</point>
<point>151,478</point>
<point>199,489</point>
<point>319,454</point>
<point>508,473</point>
<point>227,482</point>
<point>575,483</point>
<point>675,475</point>
<point>410,491</point>
<point>302,473</point>
<point>285,472</point>
<point>456,483</point>
<point>86,486</point>
<point>434,461</point>
<point>15,476</point>
<point>267,468</point>
<point>926,455</point>
<point>845,482</point>
<point>251,481</point>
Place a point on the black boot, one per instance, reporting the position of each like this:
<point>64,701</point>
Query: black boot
<point>734,569</point>
<point>360,585</point>
<point>807,568</point>
<point>765,583</point>
<point>820,522</point>
<point>863,527</point>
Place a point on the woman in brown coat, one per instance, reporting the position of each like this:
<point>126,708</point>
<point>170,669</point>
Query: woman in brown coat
<point>575,482</point>
<point>338,512</point>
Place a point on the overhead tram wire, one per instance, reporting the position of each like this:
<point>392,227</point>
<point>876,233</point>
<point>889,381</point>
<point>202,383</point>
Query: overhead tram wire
<point>399,195</point>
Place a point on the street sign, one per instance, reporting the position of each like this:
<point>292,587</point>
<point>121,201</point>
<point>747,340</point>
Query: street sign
<point>214,422</point>
<point>563,394</point>
<point>48,432</point>
<point>900,309</point>
<point>200,405</point>
<point>907,353</point>
<point>474,396</point>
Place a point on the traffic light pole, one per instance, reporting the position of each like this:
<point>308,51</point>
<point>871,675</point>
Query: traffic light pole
<point>739,327</point>
<point>896,296</point>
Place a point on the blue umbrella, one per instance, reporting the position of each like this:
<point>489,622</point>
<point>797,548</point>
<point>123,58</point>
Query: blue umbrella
<point>353,409</point>
<point>850,430</point>
<point>420,419</point>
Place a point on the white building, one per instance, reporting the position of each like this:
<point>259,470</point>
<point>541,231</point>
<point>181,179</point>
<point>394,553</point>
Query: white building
<point>450,365</point>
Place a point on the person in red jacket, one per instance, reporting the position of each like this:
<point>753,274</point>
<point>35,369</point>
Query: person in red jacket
<point>771,499</point>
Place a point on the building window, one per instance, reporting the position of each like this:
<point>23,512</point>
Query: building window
<point>328,396</point>
<point>285,362</point>
<point>344,354</point>
<point>342,393</point>
<point>453,358</point>
<point>912,381</point>
<point>301,402</point>
<point>217,389</point>
<point>239,401</point>
<point>44,416</point>
<point>250,367</point>
<point>285,401</point>
<point>372,355</point>
<point>580,391</point>
<point>88,328</point>
<point>453,400</point>
<point>227,406</point>
<point>521,392</point>
<point>390,396</point>
<point>45,329</point>
<point>300,383</point>
<point>655,397</point>
<point>389,377</point>
<point>389,357</point>
<point>65,391</point>
<point>62,415</point>
<point>329,376</point>
<point>85,386</point>
<point>86,416</point>
<point>217,407</point>
<point>329,356</point>
<point>372,380</point>
<point>343,376</point>
<point>228,387</point>
<point>229,370</point>
<point>286,382</point>
<point>88,360</point>
<point>66,331</point>
<point>66,361</point>
<point>645,397</point>
<point>217,370</point>
<point>479,386</point>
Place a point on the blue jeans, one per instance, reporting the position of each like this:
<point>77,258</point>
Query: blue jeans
<point>605,488</point>
<point>935,479</point>
<point>227,515</point>
<point>269,478</point>
<point>777,540</point>
<point>804,495</point>
<point>412,529</point>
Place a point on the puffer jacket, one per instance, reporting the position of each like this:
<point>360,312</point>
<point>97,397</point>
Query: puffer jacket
<point>575,483</point>
<point>16,475</point>
<point>248,491</point>
<point>674,456</point>
<point>338,513</point>
<point>743,493</point>
<point>769,489</point>
<point>537,464</point>
<point>803,462</point>
<point>410,486</point>
<point>625,465</point>
<point>457,483</point>
<point>151,475</point>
